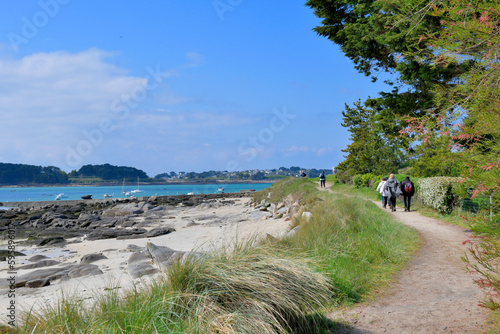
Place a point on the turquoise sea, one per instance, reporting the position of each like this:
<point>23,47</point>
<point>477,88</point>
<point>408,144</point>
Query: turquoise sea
<point>26,194</point>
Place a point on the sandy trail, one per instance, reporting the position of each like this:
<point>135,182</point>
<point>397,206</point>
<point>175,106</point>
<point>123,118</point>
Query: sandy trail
<point>434,294</point>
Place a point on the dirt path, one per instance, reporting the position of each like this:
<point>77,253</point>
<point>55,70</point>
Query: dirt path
<point>433,295</point>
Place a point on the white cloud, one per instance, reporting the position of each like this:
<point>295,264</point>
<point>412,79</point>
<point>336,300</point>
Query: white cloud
<point>48,100</point>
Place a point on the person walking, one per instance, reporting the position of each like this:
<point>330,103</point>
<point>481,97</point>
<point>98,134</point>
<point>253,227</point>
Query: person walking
<point>408,189</point>
<point>382,191</point>
<point>393,188</point>
<point>322,179</point>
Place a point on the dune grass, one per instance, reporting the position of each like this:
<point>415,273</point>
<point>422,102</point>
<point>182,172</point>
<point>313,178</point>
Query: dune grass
<point>243,289</point>
<point>345,252</point>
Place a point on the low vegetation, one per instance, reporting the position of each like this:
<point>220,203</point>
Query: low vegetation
<point>348,249</point>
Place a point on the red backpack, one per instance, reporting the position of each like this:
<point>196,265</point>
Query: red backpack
<point>408,187</point>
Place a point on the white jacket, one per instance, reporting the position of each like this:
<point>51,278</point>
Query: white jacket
<point>381,188</point>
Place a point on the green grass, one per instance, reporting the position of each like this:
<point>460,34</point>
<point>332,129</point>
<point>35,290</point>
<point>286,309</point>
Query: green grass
<point>359,246</point>
<point>346,252</point>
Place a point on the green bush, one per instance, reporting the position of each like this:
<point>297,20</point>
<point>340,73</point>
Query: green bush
<point>357,180</point>
<point>438,192</point>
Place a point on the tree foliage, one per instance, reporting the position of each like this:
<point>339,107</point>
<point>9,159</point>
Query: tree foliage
<point>109,172</point>
<point>369,151</point>
<point>23,174</point>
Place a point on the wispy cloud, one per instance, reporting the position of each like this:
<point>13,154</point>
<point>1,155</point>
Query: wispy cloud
<point>194,59</point>
<point>297,150</point>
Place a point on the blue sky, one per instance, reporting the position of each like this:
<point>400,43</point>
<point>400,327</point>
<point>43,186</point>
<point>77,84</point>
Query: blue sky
<point>172,85</point>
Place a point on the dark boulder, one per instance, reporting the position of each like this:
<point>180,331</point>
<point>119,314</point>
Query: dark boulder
<point>89,258</point>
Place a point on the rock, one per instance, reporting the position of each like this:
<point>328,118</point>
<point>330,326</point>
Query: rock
<point>292,232</point>
<point>84,269</point>
<point>51,241</point>
<point>113,233</point>
<point>37,283</point>
<point>37,258</point>
<point>306,215</point>
<point>158,254</point>
<point>85,217</point>
<point>121,210</point>
<point>134,248</point>
<point>155,232</point>
<point>6,252</point>
<point>256,215</point>
<point>270,238</point>
<point>39,264</point>
<point>272,208</point>
<point>139,264</point>
<point>48,274</point>
<point>89,258</point>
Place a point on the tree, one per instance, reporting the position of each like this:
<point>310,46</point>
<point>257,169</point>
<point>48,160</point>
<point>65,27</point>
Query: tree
<point>369,151</point>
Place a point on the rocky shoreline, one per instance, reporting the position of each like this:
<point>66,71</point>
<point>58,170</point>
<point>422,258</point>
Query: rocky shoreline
<point>62,244</point>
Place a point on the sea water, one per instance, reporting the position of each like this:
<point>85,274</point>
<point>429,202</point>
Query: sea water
<point>26,194</point>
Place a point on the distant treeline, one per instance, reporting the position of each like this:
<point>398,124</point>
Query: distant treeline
<point>15,174</point>
<point>272,174</point>
<point>108,172</point>
<point>22,174</point>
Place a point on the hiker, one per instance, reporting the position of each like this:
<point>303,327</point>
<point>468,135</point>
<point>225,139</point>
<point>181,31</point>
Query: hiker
<point>322,179</point>
<point>393,188</point>
<point>382,191</point>
<point>408,189</point>
<point>303,174</point>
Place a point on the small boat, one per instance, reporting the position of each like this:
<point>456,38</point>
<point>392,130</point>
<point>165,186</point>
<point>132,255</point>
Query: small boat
<point>107,195</point>
<point>60,196</point>
<point>87,197</point>
<point>190,193</point>
<point>221,190</point>
<point>136,190</point>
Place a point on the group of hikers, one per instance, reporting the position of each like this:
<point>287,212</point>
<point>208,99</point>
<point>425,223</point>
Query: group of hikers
<point>391,188</point>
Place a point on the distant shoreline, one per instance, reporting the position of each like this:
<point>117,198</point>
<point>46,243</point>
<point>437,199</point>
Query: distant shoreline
<point>117,183</point>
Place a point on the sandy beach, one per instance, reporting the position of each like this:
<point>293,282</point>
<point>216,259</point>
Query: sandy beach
<point>199,228</point>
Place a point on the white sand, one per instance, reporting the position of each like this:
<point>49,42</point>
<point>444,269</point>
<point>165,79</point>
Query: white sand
<point>214,227</point>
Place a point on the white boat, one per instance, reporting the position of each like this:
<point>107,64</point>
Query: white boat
<point>135,191</point>
<point>220,189</point>
<point>190,193</point>
<point>107,195</point>
<point>60,196</point>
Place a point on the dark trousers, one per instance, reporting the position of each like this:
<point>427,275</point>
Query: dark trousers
<point>322,183</point>
<point>384,200</point>
<point>407,200</point>
<point>392,202</point>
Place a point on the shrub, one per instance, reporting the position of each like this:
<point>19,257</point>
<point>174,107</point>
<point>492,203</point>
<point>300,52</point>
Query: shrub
<point>344,177</point>
<point>438,192</point>
<point>357,180</point>
<point>369,179</point>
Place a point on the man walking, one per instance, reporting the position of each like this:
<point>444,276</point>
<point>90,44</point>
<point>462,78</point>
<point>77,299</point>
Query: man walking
<point>322,179</point>
<point>408,189</point>
<point>393,188</point>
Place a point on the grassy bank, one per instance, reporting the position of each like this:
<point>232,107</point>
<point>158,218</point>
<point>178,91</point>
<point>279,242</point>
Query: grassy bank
<point>348,249</point>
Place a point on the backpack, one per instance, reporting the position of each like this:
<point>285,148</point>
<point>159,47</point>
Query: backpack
<point>408,187</point>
